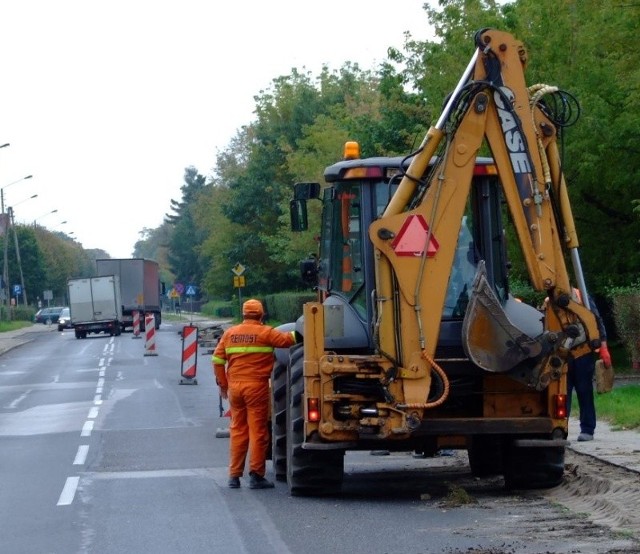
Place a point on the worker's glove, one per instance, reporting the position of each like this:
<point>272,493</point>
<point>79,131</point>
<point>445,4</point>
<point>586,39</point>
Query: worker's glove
<point>299,337</point>
<point>224,394</point>
<point>605,356</point>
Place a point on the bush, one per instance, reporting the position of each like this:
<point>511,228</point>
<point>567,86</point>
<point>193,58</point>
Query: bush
<point>286,307</point>
<point>283,307</point>
<point>525,292</point>
<point>221,309</point>
<point>626,314</point>
<point>17,313</point>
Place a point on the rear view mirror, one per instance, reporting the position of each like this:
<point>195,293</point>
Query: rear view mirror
<point>298,206</point>
<point>298,213</point>
<point>306,191</point>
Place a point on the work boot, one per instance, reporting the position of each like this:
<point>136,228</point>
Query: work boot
<point>259,482</point>
<point>234,482</point>
<point>583,437</point>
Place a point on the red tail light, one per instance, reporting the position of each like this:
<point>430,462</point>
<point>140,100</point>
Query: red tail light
<point>560,406</point>
<point>313,409</point>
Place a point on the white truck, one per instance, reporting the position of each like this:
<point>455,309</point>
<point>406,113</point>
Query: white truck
<point>95,305</point>
<point>140,287</point>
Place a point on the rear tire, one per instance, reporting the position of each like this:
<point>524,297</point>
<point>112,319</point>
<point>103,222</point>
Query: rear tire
<point>533,468</point>
<point>309,472</point>
<point>486,456</point>
<point>279,421</point>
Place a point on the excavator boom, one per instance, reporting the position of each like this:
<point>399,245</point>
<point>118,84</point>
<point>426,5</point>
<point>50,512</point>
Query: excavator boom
<point>491,105</point>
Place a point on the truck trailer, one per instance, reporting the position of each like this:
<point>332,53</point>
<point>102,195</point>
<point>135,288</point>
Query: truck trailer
<point>95,305</point>
<point>140,287</point>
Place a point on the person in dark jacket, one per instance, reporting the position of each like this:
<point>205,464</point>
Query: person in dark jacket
<point>580,374</point>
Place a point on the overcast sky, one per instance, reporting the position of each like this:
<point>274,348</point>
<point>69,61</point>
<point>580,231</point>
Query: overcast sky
<point>106,102</point>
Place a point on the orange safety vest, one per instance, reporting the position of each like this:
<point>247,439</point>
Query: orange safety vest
<point>247,350</point>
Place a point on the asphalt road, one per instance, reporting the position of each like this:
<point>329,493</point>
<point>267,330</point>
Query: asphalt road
<point>104,451</point>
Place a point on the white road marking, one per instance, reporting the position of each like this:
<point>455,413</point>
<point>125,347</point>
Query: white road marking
<point>69,491</point>
<point>81,455</point>
<point>86,429</point>
<point>93,413</point>
<point>17,401</point>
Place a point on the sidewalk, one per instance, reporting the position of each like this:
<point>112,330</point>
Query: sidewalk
<point>11,339</point>
<point>620,448</point>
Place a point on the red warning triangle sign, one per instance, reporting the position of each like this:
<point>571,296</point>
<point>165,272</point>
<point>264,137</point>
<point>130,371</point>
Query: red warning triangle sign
<point>412,238</point>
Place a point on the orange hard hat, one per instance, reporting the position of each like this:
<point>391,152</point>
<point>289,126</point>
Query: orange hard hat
<point>252,307</point>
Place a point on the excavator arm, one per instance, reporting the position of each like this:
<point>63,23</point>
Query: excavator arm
<point>491,104</point>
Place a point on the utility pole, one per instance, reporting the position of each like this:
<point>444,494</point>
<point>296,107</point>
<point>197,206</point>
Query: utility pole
<point>15,237</point>
<point>5,272</point>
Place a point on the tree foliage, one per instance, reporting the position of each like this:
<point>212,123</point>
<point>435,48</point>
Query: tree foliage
<point>185,239</point>
<point>586,47</point>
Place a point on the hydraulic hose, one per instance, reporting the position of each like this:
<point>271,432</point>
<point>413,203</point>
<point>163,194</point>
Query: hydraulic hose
<point>445,392</point>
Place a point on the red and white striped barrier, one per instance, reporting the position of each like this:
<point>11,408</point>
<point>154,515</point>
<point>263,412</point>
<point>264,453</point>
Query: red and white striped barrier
<point>189,355</point>
<point>150,334</point>
<point>136,324</point>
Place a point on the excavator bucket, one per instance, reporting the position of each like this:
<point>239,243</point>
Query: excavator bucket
<point>489,337</point>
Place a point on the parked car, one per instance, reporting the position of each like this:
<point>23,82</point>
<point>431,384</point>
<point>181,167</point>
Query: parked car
<point>48,315</point>
<point>64,320</point>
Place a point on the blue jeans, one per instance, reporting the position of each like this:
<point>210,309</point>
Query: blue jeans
<point>580,377</point>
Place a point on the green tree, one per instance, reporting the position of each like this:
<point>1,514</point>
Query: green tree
<point>184,237</point>
<point>601,150</point>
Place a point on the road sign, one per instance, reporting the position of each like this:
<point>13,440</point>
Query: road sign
<point>17,290</point>
<point>238,269</point>
<point>191,290</point>
<point>179,287</point>
<point>174,294</point>
<point>238,281</point>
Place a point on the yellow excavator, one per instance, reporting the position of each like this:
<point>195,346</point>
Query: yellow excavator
<point>415,342</point>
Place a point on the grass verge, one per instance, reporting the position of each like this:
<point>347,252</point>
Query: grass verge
<point>620,407</point>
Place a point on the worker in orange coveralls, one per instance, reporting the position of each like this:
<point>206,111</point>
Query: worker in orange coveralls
<point>247,351</point>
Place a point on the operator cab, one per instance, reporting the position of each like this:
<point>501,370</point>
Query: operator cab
<point>357,192</point>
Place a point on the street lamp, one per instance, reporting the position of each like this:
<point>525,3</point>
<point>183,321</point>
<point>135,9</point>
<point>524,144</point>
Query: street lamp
<point>6,186</point>
<point>24,200</point>
<point>43,215</point>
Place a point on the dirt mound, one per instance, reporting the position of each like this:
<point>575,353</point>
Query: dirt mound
<point>609,494</point>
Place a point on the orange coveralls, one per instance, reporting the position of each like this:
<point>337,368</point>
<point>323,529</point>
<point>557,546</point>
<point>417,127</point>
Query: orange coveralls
<point>247,351</point>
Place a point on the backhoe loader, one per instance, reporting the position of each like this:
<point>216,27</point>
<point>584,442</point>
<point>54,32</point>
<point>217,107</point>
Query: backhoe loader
<point>415,342</point>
